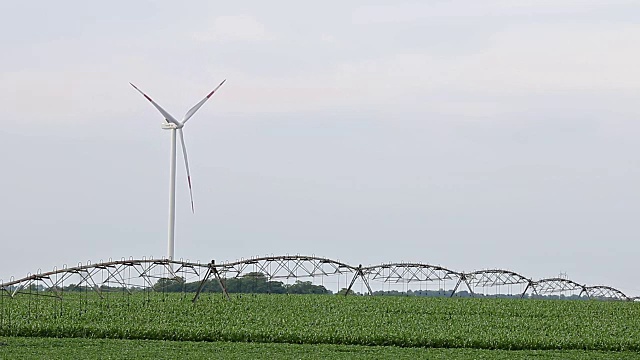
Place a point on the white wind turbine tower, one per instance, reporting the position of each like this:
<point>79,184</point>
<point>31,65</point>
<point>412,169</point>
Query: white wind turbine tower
<point>174,126</point>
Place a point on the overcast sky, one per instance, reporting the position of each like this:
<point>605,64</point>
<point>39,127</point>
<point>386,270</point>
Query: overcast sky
<point>469,134</point>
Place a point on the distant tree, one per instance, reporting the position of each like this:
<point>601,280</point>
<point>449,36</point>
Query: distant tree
<point>306,287</point>
<point>253,282</point>
<point>344,291</point>
<point>175,284</point>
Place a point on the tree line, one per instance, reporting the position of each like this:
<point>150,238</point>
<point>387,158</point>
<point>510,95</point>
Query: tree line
<point>253,282</point>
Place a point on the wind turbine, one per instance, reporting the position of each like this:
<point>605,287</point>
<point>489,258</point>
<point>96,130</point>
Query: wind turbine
<point>174,126</point>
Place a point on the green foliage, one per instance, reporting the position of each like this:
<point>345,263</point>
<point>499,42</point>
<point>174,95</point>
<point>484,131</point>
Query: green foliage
<point>89,349</point>
<point>252,283</point>
<point>309,319</point>
<point>343,291</point>
<point>306,287</point>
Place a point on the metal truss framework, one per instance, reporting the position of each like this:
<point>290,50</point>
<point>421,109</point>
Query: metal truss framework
<point>144,273</point>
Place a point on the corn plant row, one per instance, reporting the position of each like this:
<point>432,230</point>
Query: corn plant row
<point>325,319</point>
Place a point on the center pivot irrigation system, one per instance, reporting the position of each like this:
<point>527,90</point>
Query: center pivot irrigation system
<point>131,275</point>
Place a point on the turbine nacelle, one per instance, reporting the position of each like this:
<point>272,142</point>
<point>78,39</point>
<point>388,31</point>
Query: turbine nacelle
<point>171,126</point>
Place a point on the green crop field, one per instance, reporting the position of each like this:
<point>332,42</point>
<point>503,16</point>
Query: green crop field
<point>381,322</point>
<point>88,349</point>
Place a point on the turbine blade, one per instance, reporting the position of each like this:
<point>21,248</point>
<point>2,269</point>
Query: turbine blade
<point>186,164</point>
<point>197,106</point>
<point>164,113</point>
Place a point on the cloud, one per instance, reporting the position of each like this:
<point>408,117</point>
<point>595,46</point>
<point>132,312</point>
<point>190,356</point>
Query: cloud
<point>326,38</point>
<point>411,12</point>
<point>522,63</point>
<point>553,58</point>
<point>235,28</point>
<point>78,92</point>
